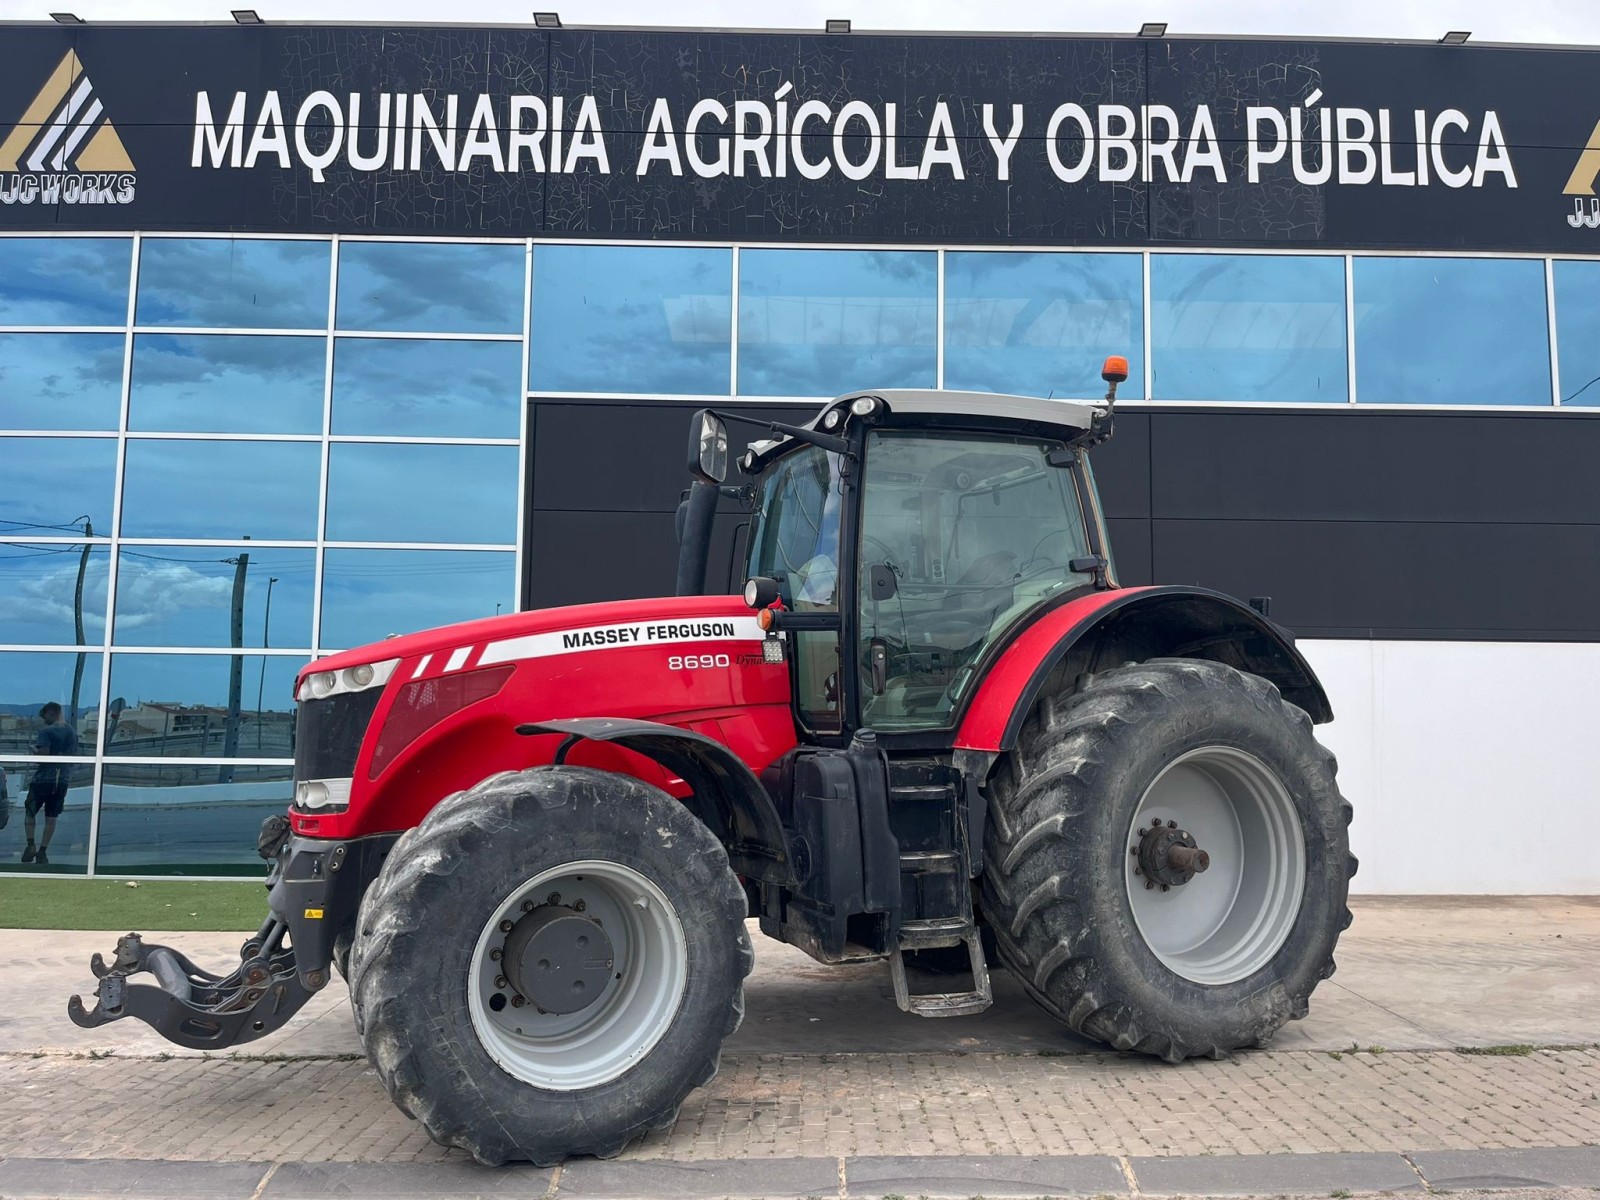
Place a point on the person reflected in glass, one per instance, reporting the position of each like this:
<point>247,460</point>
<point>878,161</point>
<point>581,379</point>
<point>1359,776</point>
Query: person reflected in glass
<point>47,789</point>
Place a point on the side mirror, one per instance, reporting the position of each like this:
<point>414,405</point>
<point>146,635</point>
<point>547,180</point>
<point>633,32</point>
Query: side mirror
<point>708,447</point>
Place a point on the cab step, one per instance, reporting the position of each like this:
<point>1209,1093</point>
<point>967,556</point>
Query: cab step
<point>931,934</point>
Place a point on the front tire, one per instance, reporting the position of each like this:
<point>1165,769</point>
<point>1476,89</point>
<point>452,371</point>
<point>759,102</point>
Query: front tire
<point>549,963</point>
<point>1088,912</point>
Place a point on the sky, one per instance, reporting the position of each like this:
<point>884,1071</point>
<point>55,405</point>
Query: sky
<point>1548,21</point>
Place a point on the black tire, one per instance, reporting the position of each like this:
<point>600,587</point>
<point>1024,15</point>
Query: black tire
<point>1056,891</point>
<point>444,881</point>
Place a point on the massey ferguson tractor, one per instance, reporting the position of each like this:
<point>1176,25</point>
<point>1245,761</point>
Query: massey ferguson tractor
<point>934,728</point>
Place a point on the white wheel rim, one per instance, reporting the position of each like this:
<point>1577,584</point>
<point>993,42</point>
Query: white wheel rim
<point>1228,922</point>
<point>598,1043</point>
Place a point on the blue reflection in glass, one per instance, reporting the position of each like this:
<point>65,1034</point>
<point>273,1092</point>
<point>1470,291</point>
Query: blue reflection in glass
<point>227,383</point>
<point>43,600</point>
<point>1451,331</point>
<point>30,680</point>
<point>1578,331</point>
<point>187,818</point>
<point>369,594</point>
<point>1034,324</point>
<point>819,322</point>
<point>419,287</point>
<point>184,596</point>
<point>412,493</point>
<point>60,380</point>
<point>400,387</point>
<point>631,319</point>
<point>221,489</point>
<point>244,283</point>
<point>1248,327</point>
<point>49,485</point>
<point>69,842</point>
<point>64,281</point>
<point>202,705</point>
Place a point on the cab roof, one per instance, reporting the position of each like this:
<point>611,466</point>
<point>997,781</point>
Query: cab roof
<point>1074,414</point>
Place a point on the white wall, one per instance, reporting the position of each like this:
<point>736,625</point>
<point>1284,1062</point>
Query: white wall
<point>1473,766</point>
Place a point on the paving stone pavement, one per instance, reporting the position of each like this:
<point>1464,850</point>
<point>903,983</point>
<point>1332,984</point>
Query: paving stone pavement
<point>782,1106</point>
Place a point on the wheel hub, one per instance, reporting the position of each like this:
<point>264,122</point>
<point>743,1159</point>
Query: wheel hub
<point>1168,856</point>
<point>559,959</point>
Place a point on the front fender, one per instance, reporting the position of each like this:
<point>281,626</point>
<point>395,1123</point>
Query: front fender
<point>727,796</point>
<point>1132,624</point>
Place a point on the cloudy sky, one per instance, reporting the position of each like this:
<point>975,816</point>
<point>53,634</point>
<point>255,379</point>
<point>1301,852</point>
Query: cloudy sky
<point>1563,21</point>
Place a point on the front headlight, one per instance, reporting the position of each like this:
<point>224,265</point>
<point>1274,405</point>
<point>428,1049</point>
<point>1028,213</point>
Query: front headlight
<point>319,685</point>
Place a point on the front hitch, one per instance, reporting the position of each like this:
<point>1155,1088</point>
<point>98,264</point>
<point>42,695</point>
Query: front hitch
<point>191,1006</point>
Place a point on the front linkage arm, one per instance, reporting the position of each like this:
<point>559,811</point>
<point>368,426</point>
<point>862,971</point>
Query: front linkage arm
<point>192,1006</point>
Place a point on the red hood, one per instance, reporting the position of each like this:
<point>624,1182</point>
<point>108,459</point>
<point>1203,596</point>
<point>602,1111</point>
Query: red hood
<point>544,620</point>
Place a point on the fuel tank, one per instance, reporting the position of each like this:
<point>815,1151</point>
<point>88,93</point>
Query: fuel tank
<point>446,717</point>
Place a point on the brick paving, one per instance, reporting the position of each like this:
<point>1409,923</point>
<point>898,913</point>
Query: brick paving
<point>783,1106</point>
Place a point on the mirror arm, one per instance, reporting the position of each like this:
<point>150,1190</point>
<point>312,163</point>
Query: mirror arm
<point>826,441</point>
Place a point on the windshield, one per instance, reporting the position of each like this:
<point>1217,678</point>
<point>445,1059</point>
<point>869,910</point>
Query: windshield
<point>795,540</point>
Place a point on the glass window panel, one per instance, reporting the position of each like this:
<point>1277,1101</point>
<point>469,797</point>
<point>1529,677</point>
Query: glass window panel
<point>69,840</point>
<point>400,387</point>
<point>53,595</point>
<point>631,319</point>
<point>1232,327</point>
<point>221,489</point>
<point>411,493</point>
<point>239,283</point>
<point>186,596</point>
<point>227,383</point>
<point>64,281</point>
<point>187,818</point>
<point>1451,331</point>
<point>1037,324</point>
<point>421,287</point>
<point>1578,331</point>
<point>49,485</point>
<point>60,380</point>
<point>31,679</point>
<point>369,594</point>
<point>821,322</point>
<point>202,706</point>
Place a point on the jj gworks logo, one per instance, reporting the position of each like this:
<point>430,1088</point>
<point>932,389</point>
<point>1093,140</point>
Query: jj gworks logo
<point>1582,183</point>
<point>63,150</point>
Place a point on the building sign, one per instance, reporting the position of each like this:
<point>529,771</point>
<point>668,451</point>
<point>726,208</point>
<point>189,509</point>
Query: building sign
<point>786,137</point>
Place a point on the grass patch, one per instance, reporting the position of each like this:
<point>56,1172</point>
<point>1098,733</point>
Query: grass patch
<point>112,905</point>
<point>1510,1050</point>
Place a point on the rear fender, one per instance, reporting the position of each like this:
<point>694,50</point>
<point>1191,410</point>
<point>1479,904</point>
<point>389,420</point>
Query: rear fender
<point>726,795</point>
<point>1106,629</point>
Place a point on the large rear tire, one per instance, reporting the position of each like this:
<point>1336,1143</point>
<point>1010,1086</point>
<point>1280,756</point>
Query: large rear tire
<point>549,963</point>
<point>1088,911</point>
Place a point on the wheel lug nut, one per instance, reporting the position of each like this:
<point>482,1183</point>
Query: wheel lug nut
<point>505,926</point>
<point>1172,824</point>
<point>517,1002</point>
<point>499,981</point>
<point>1138,870</point>
<point>553,898</point>
<point>527,906</point>
<point>579,906</point>
<point>1165,888</point>
<point>1148,884</point>
<point>495,954</point>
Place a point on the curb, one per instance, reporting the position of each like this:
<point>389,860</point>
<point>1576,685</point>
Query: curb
<point>803,1178</point>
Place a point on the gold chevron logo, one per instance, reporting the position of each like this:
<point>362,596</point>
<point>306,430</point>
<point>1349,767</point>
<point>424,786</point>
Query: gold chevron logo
<point>1587,171</point>
<point>65,128</point>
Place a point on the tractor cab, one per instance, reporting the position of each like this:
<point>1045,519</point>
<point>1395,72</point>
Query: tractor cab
<point>900,535</point>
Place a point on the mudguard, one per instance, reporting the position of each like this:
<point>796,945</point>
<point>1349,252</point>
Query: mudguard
<point>727,797</point>
<point>1164,622</point>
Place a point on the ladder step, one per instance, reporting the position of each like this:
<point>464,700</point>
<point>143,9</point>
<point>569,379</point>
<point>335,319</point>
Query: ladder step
<point>922,791</point>
<point>945,1004</point>
<point>930,860</point>
<point>934,932</point>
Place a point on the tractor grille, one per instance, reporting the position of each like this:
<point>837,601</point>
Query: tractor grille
<point>328,734</point>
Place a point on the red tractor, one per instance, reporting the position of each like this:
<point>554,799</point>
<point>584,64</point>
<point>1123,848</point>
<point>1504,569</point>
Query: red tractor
<point>934,727</point>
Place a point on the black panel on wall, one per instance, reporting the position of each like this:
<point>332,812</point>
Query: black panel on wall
<point>1357,523</point>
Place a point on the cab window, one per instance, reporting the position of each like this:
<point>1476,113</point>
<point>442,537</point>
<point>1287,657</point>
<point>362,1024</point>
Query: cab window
<point>961,535</point>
